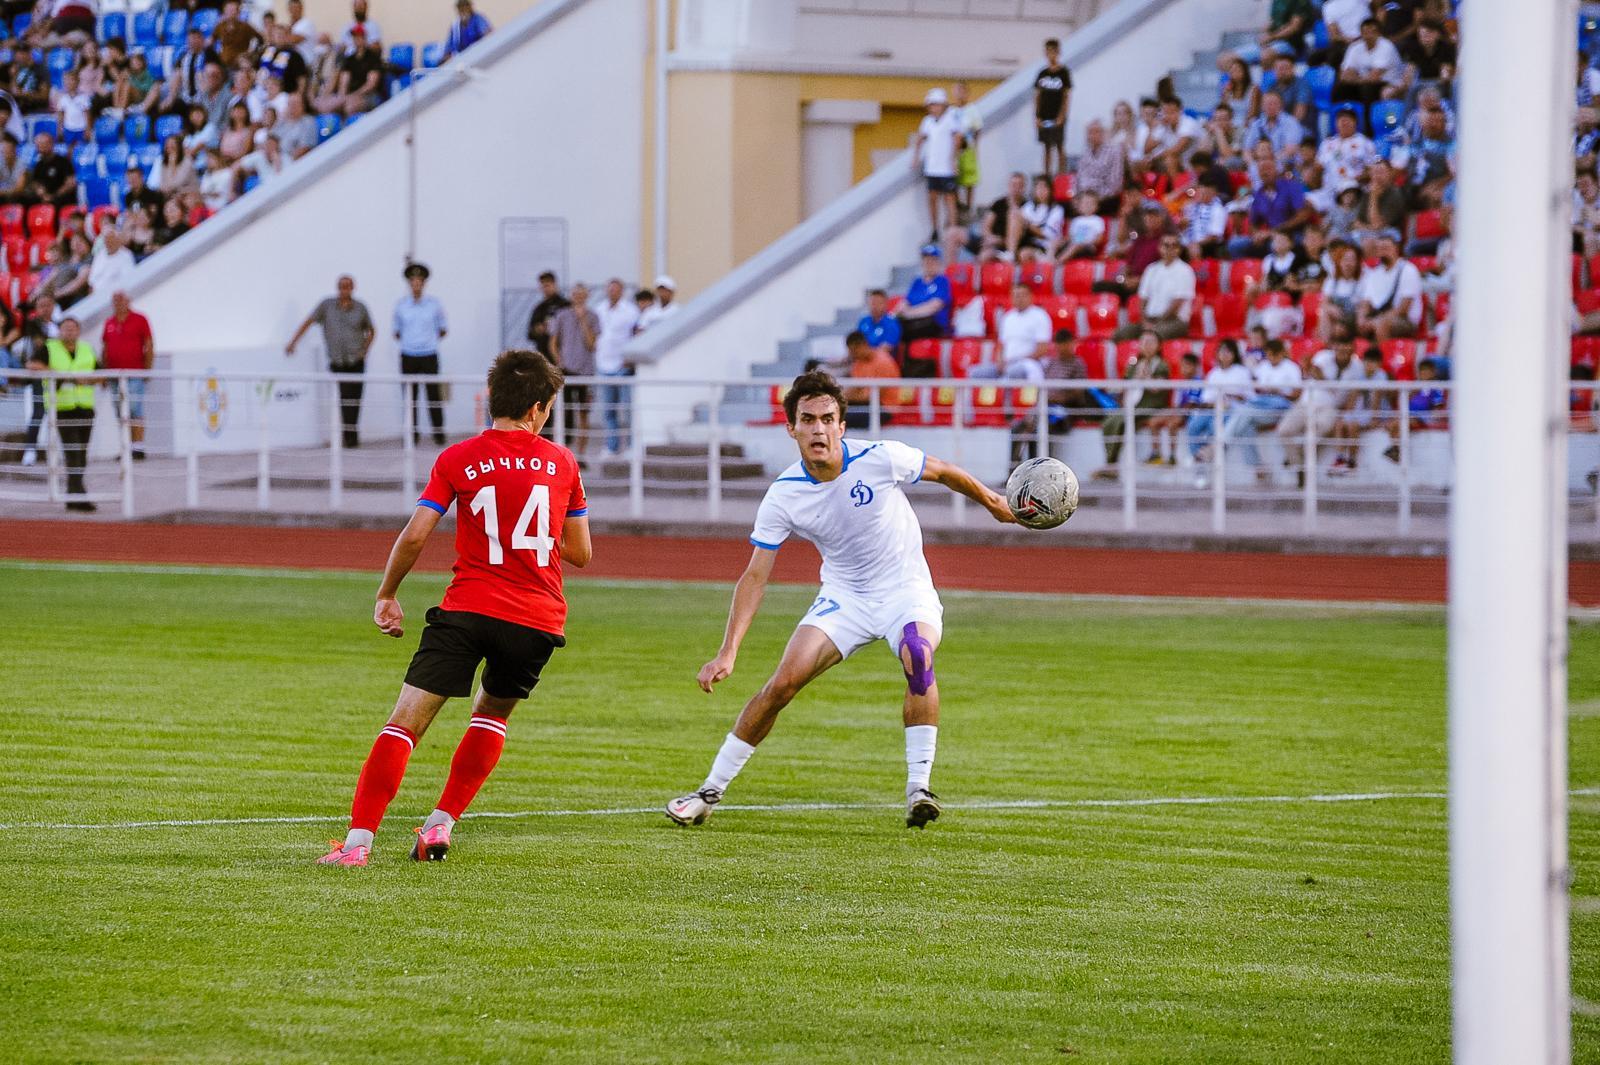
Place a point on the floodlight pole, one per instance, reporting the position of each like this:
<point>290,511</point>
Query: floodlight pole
<point>1508,589</point>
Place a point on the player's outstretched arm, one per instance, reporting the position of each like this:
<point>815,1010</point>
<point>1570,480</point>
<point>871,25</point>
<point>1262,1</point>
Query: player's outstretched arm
<point>576,547</point>
<point>386,613</point>
<point>747,596</point>
<point>957,479</point>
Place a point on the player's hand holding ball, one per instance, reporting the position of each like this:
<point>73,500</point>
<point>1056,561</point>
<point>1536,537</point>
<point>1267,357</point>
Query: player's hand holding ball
<point>389,618</point>
<point>1042,493</point>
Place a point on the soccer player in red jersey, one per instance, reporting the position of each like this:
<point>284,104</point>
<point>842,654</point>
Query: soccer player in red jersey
<point>504,605</point>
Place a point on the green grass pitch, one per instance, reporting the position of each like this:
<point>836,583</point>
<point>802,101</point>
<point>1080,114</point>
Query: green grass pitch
<point>1248,932</point>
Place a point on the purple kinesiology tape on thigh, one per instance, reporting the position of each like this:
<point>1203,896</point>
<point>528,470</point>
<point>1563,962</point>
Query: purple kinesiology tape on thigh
<point>919,677</point>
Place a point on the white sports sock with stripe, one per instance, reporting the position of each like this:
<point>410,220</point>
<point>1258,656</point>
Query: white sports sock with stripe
<point>730,759</point>
<point>920,743</point>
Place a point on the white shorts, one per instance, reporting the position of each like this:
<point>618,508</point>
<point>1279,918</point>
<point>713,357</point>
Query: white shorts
<point>852,622</point>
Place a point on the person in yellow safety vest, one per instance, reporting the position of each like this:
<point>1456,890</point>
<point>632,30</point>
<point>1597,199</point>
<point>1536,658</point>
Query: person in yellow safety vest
<point>73,398</point>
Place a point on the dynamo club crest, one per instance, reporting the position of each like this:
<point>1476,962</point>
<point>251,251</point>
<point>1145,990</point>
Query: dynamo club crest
<point>861,493</point>
<point>212,401</point>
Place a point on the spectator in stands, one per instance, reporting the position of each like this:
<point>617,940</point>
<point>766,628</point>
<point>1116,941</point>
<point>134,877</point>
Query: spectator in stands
<point>1432,160</point>
<point>127,344</point>
<point>52,179</point>
<point>1277,385</point>
<point>1208,172</point>
<point>1346,155</point>
<point>934,152</point>
<point>13,174</point>
<point>1278,204</point>
<point>1123,126</point>
<point>245,90</point>
<point>360,25</point>
<point>171,225</point>
<point>1430,56</point>
<point>1586,138</point>
<point>1341,292</point>
<point>1137,242</point>
<point>865,362</point>
<point>1086,233</point>
<point>213,96</point>
<point>541,321</point>
<point>218,182</point>
<point>926,311</point>
<point>1182,134</point>
<point>175,171</point>
<point>265,164</point>
<point>1025,333</point>
<point>1164,426</point>
<point>138,229</point>
<point>297,131</point>
<point>302,36</point>
<point>1371,69</point>
<point>1299,102</point>
<point>1166,295</point>
<point>970,123</point>
<point>1052,95</point>
<point>1343,20</point>
<point>112,265</point>
<point>1315,408</point>
<point>1390,295</point>
<point>665,305</point>
<point>1381,211</point>
<point>1586,214</point>
<point>285,62</point>
<point>347,333</point>
<point>185,83</point>
<point>1102,170</point>
<point>1228,380</point>
<point>233,36</point>
<point>1149,137</point>
<point>419,327</point>
<point>878,326</point>
<point>645,301</point>
<point>1288,21</point>
<point>145,90</point>
<point>1147,365</point>
<point>72,20</point>
<point>74,357</point>
<point>1043,223</point>
<point>1274,127</point>
<point>237,136</point>
<point>1224,139</point>
<point>1239,90</point>
<point>467,30</point>
<point>617,317</point>
<point>71,106</point>
<point>572,332</point>
<point>1205,223</point>
<point>360,77</point>
<point>198,131</point>
<point>57,273</point>
<point>1002,223</point>
<point>1065,364</point>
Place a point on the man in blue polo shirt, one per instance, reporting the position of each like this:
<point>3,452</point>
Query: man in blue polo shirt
<point>467,30</point>
<point>419,325</point>
<point>881,330</point>
<point>1277,205</point>
<point>926,312</point>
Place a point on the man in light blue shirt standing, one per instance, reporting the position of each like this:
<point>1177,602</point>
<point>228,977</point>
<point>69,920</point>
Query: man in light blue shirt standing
<point>419,325</point>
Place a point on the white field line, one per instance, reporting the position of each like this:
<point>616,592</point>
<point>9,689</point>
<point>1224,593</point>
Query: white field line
<point>801,807</point>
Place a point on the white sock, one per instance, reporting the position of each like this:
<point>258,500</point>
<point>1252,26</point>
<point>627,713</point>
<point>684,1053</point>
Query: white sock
<point>920,742</point>
<point>730,759</point>
<point>438,817</point>
<point>358,837</point>
<point>1164,444</point>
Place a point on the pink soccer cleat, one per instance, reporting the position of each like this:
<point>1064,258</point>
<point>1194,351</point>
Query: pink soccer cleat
<point>337,855</point>
<point>432,845</point>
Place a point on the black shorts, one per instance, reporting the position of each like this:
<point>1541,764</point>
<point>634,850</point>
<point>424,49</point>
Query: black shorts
<point>1051,135</point>
<point>455,641</point>
<point>941,184</point>
<point>575,395</point>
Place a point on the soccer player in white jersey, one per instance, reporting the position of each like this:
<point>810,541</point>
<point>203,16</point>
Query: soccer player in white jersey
<point>845,496</point>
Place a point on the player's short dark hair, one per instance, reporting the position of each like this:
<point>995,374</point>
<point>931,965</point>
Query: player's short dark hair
<point>856,337</point>
<point>809,386</point>
<point>519,380</point>
<point>877,292</point>
<point>1052,42</point>
<point>548,275</point>
<point>1276,347</point>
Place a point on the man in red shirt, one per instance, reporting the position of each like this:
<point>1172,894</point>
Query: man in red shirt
<point>504,604</point>
<point>128,345</point>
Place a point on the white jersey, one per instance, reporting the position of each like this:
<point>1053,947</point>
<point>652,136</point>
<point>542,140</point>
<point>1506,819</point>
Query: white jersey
<point>861,521</point>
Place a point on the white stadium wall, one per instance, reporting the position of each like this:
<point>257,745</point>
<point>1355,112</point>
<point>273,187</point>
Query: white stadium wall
<point>549,123</point>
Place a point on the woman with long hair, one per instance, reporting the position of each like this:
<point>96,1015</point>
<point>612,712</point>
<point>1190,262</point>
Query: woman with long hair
<point>1239,90</point>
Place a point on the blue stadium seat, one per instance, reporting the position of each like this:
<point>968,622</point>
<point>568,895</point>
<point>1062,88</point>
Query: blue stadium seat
<point>1588,33</point>
<point>149,155</point>
<point>114,158</point>
<point>403,56</point>
<point>168,126</point>
<point>112,25</point>
<point>1319,35</point>
<point>20,24</point>
<point>58,62</point>
<point>107,129</point>
<point>173,27</point>
<point>205,20</point>
<point>1387,116</point>
<point>157,59</point>
<point>86,154</point>
<point>1321,80</point>
<point>399,83</point>
<point>251,181</point>
<point>146,29</point>
<point>37,124</point>
<point>136,130</point>
<point>28,155</point>
<point>96,192</point>
<point>327,126</point>
<point>6,55</point>
<point>433,55</point>
<point>87,171</point>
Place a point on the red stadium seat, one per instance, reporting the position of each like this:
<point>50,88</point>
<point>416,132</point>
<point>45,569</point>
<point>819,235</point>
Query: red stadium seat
<point>1124,354</point>
<point>996,278</point>
<point>1302,348</point>
<point>37,246</point>
<point>22,289</point>
<point>16,254</point>
<point>1311,309</point>
<point>1078,276</point>
<point>1174,351</point>
<point>1227,314</point>
<point>11,220</point>
<point>1425,264</point>
<point>1427,225</point>
<point>1587,302</point>
<point>906,405</point>
<point>1242,273</point>
<point>1586,352</point>
<point>1063,187</point>
<point>1063,312</point>
<point>1023,398</point>
<point>42,220</point>
<point>101,217</point>
<point>1441,306</point>
<point>928,348</point>
<point>1400,359</point>
<point>1040,277</point>
<point>993,308</point>
<point>988,407</point>
<point>1111,269</point>
<point>965,353</point>
<point>775,414</point>
<point>963,278</point>
<point>942,406</point>
<point>1579,266</point>
<point>1208,277</point>
<point>893,304</point>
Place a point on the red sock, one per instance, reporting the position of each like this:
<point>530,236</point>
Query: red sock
<point>381,776</point>
<point>475,759</point>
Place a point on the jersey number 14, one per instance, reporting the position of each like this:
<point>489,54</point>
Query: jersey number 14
<point>535,513</point>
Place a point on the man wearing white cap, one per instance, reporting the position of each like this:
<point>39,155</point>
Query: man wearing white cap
<point>663,307</point>
<point>936,151</point>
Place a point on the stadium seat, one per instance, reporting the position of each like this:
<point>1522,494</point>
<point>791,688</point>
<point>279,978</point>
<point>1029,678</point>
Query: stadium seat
<point>1078,276</point>
<point>20,24</point>
<point>147,30</point>
<point>1586,352</point>
<point>34,125</point>
<point>1093,354</point>
<point>988,407</point>
<point>1063,312</point>
<point>1208,353</point>
<point>113,24</point>
<point>433,55</point>
<point>205,20</point>
<point>1587,302</point>
<point>1321,81</point>
<point>1040,277</point>
<point>1386,116</point>
<point>327,126</point>
<point>42,220</point>
<point>908,406</point>
<point>11,220</point>
<point>101,217</point>
<point>38,244</point>
<point>1227,314</point>
<point>1400,359</point>
<point>16,254</point>
<point>1207,277</point>
<point>86,155</point>
<point>928,348</point>
<point>1441,307</point>
<point>250,182</point>
<point>1303,347</point>
<point>1242,273</point>
<point>96,192</point>
<point>136,130</point>
<point>149,155</point>
<point>1063,187</point>
<point>1122,357</point>
<point>1102,314</point>
<point>403,57</point>
<point>107,130</point>
<point>168,126</point>
<point>173,27</point>
<point>114,160</point>
<point>963,282</point>
<point>994,305</point>
<point>58,61</point>
<point>963,354</point>
<point>1427,225</point>
<point>995,278</point>
<point>775,413</point>
<point>1173,351</point>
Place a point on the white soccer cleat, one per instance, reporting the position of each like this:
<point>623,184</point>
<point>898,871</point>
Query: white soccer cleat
<point>695,808</point>
<point>922,806</point>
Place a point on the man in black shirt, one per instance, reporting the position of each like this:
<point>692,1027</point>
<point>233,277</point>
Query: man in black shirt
<point>1052,90</point>
<point>1431,54</point>
<point>360,77</point>
<point>135,191</point>
<point>283,60</point>
<point>539,321</point>
<point>52,179</point>
<point>996,235</point>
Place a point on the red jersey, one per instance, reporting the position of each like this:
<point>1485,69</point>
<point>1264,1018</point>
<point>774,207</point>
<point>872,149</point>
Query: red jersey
<point>123,342</point>
<point>516,490</point>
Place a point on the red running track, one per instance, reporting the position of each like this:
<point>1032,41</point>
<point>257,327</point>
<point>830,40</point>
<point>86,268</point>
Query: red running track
<point>1350,578</point>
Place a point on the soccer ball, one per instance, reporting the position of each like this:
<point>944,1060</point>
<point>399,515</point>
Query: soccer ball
<point>1042,493</point>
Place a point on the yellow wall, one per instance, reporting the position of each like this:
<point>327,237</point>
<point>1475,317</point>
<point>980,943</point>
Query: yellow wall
<point>700,178</point>
<point>901,99</point>
<point>416,22</point>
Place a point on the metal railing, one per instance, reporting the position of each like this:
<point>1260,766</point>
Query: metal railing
<point>282,444</point>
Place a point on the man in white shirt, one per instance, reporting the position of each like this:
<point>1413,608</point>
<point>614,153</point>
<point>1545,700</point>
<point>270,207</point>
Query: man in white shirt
<point>1182,134</point>
<point>617,317</point>
<point>1151,138</point>
<point>370,27</point>
<point>1371,69</point>
<point>1166,294</point>
<point>112,264</point>
<point>1316,406</point>
<point>1025,333</point>
<point>1345,156</point>
<point>1205,222</point>
<point>936,152</point>
<point>302,32</point>
<point>1389,295</point>
<point>1344,18</point>
<point>663,307</point>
